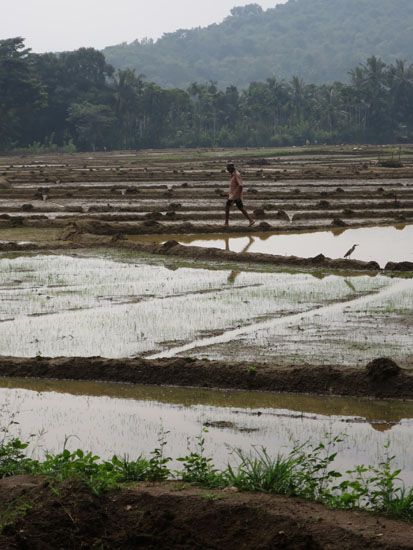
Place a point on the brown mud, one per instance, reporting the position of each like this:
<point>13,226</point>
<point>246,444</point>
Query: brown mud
<point>38,515</point>
<point>378,379</point>
<point>174,188</point>
<point>183,192</point>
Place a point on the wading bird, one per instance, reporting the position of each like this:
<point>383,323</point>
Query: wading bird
<point>350,252</point>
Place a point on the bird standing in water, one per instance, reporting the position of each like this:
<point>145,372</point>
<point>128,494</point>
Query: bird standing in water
<point>350,252</point>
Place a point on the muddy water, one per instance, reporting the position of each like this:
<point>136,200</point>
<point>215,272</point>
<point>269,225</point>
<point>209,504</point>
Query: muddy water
<point>30,234</point>
<point>61,305</point>
<point>126,420</point>
<point>380,244</point>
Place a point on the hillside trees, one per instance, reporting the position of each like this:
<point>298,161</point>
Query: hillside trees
<point>77,98</point>
<point>318,40</point>
<point>21,90</point>
<point>70,78</point>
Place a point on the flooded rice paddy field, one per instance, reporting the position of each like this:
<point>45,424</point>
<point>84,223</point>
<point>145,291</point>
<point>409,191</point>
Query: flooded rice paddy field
<point>115,305</point>
<point>127,420</point>
<point>285,188</point>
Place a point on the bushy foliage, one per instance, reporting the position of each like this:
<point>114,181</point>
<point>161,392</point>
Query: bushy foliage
<point>306,471</point>
<point>320,40</point>
<point>76,101</point>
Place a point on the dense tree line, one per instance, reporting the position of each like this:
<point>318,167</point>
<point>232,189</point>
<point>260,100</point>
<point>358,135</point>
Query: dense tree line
<point>320,40</point>
<point>77,100</point>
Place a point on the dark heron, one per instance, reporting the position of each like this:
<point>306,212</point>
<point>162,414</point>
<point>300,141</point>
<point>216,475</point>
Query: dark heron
<point>350,252</point>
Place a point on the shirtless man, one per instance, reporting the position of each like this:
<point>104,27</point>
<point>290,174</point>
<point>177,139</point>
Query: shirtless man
<point>235,194</point>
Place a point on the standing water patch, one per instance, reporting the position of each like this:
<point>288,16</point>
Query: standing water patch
<point>127,420</point>
<point>380,244</point>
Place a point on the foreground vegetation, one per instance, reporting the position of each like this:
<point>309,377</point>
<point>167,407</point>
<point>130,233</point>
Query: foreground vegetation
<point>306,472</point>
<point>76,101</point>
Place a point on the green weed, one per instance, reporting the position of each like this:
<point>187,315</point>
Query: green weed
<point>157,467</point>
<point>197,468</point>
<point>307,471</point>
<point>261,473</point>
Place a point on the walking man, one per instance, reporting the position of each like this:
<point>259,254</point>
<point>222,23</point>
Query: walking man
<point>235,195</point>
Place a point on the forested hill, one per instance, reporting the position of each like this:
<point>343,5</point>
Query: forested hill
<point>319,40</point>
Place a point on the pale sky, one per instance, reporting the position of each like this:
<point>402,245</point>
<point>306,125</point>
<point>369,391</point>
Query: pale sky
<point>57,25</point>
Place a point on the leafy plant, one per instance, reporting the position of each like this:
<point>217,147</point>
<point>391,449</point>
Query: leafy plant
<point>13,460</point>
<point>157,467</point>
<point>127,471</point>
<point>79,465</point>
<point>313,475</point>
<point>197,468</point>
<point>306,471</point>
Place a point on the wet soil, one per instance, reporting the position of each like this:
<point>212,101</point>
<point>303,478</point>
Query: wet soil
<point>179,189</point>
<point>98,199</point>
<point>184,192</point>
<point>38,515</point>
<point>382,380</point>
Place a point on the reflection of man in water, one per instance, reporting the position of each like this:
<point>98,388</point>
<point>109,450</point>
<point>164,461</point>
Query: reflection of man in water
<point>234,274</point>
<point>235,194</point>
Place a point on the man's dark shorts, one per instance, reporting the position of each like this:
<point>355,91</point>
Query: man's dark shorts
<point>238,202</point>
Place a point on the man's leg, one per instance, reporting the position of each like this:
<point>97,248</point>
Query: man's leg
<point>227,207</point>
<point>245,213</point>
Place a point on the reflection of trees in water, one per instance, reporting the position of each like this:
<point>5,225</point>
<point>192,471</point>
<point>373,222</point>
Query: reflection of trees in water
<point>234,274</point>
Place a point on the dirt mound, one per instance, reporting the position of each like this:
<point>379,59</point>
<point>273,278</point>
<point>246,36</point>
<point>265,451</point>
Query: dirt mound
<point>93,227</point>
<point>187,371</point>
<point>264,226</point>
<point>91,233</point>
<point>337,222</point>
<point>382,369</point>
<point>318,260</point>
<point>200,253</point>
<point>399,266</point>
<point>282,215</point>
<point>4,184</point>
<point>259,213</point>
<point>153,216</point>
<point>168,515</point>
<point>170,244</point>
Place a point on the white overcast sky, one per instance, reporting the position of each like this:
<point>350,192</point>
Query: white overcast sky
<point>57,25</point>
